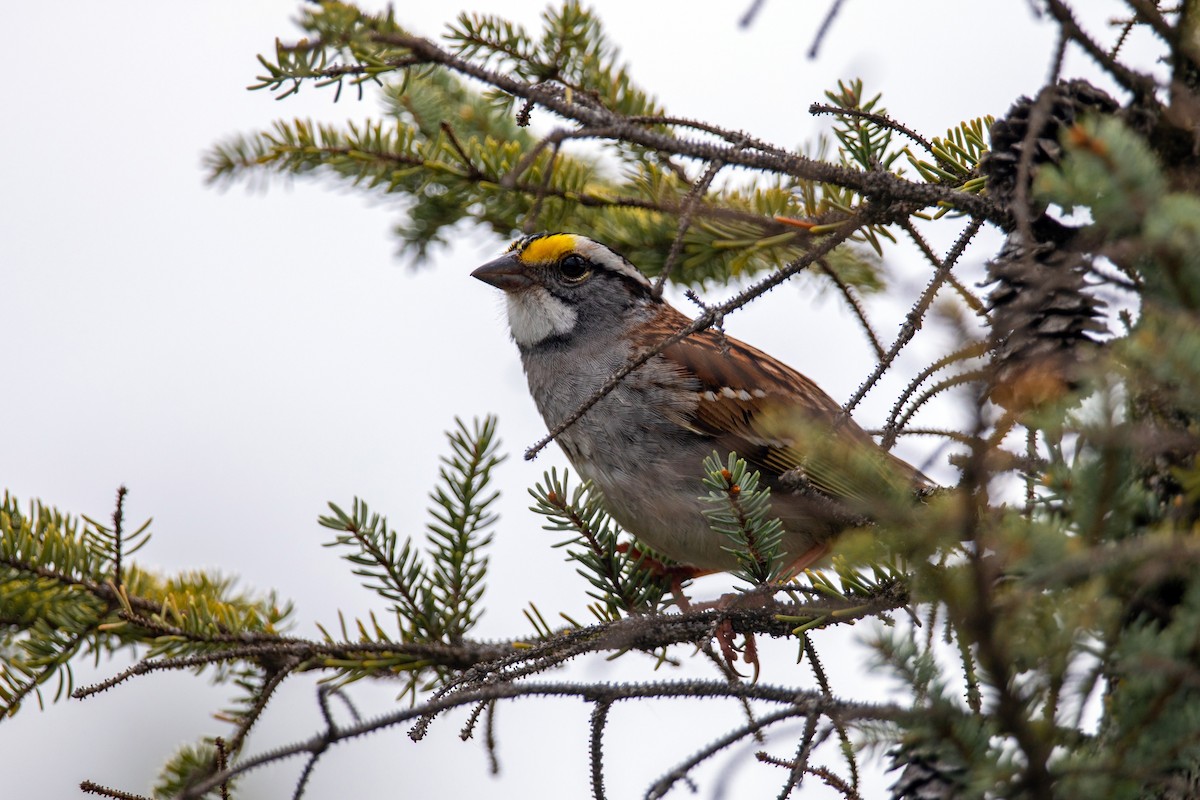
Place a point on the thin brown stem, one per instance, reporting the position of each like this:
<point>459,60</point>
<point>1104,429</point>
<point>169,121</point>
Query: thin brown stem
<point>879,119</point>
<point>795,703</point>
<point>1139,84</point>
<point>685,221</point>
<point>912,322</point>
<point>1149,13</point>
<point>855,304</point>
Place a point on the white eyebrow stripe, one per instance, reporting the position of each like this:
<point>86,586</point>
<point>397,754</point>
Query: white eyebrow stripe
<point>609,259</point>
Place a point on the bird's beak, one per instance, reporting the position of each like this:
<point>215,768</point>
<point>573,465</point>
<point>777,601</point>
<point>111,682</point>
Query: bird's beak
<point>505,273</point>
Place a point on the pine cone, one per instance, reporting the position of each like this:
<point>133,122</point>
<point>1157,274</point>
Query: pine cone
<point>926,775</point>
<point>1042,321</point>
<point>1042,316</point>
<point>1066,102</point>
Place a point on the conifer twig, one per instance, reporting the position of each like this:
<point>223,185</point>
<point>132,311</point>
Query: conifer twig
<point>795,703</point>
<point>908,328</point>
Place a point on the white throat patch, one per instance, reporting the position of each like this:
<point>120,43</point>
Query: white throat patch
<point>535,314</point>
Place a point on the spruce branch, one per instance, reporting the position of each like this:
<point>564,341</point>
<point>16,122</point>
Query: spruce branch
<point>874,184</point>
<point>793,704</point>
<point>1092,581</point>
<point>393,570</point>
<point>622,581</point>
<point>739,510</point>
<point>436,594</point>
<point>457,533</point>
<point>590,109</point>
<point>59,600</point>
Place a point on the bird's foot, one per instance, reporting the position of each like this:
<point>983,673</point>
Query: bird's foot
<point>726,636</point>
<point>727,640</point>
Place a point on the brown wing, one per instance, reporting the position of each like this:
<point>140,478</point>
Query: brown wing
<point>781,422</point>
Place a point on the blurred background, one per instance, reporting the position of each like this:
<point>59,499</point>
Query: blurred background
<point>239,357</point>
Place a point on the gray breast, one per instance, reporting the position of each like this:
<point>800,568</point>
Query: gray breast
<point>632,447</point>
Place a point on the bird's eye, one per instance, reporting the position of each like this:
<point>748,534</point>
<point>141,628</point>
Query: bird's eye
<point>574,268</point>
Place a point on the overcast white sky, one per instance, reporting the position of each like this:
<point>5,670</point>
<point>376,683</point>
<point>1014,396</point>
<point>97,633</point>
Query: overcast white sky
<point>239,358</point>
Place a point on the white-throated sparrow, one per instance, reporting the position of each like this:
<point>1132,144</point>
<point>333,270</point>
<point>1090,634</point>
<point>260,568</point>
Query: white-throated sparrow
<point>580,311</point>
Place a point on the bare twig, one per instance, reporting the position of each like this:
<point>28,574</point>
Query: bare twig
<point>945,433</point>
<point>270,683</point>
<point>681,770</point>
<point>890,429</point>
<point>116,794</point>
<point>739,138</point>
<point>222,763</point>
<point>118,533</point>
<point>596,747</point>
<point>978,306</point>
<point>472,170</point>
<point>855,304</point>
<point>961,379</point>
<point>1149,13</point>
<point>249,652</point>
<point>796,703</point>
<point>800,763</point>
<point>912,322</point>
<point>823,681</point>
<point>685,221</point>
<point>489,738</point>
<point>748,18</point>
<point>830,15</point>
<point>879,119</point>
<point>1139,84</point>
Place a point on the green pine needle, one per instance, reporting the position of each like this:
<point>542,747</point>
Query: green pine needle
<point>740,511</point>
<point>620,577</point>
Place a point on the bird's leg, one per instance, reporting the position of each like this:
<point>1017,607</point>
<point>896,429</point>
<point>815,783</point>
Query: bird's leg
<point>681,600</point>
<point>678,573</point>
<point>724,634</point>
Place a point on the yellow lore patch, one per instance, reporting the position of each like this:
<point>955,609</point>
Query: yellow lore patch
<point>548,249</point>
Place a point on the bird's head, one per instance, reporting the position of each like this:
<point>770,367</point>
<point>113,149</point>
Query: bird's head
<point>562,285</point>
